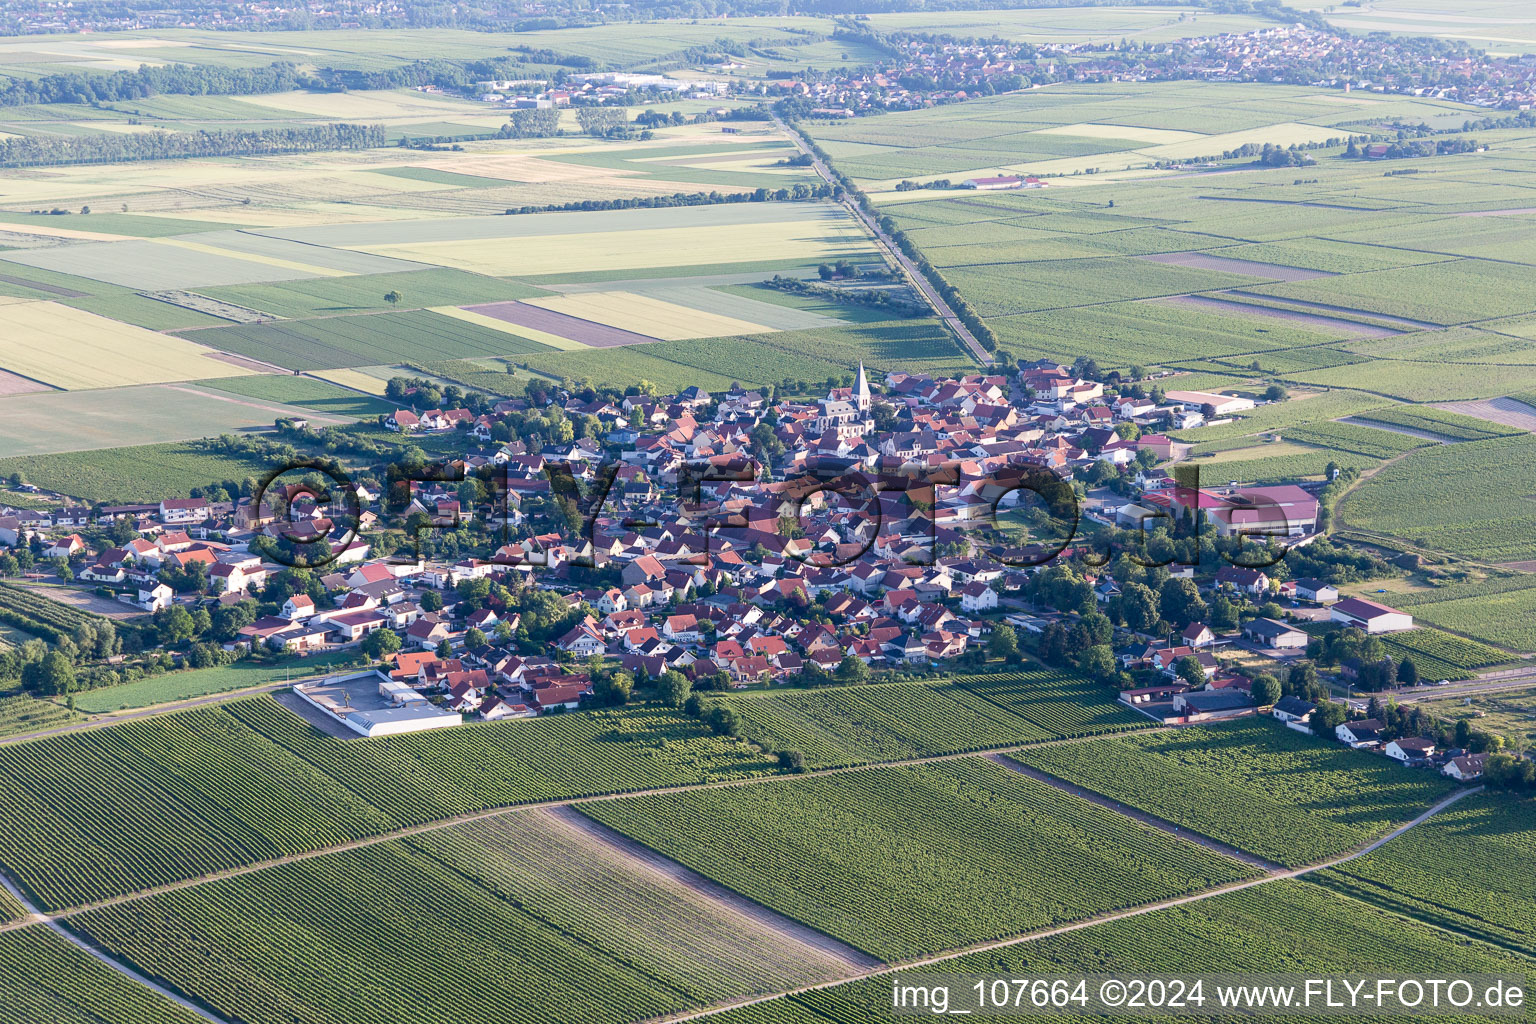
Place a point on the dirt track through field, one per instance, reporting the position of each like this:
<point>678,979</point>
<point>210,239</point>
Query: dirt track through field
<point>1349,328</point>
<point>562,325</point>
<point>1150,820</point>
<point>1225,264</point>
<point>675,873</point>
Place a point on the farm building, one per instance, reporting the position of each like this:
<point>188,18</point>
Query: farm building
<point>1276,635</point>
<point>1213,705</point>
<point>1315,591</point>
<point>1212,403</point>
<point>1370,616</point>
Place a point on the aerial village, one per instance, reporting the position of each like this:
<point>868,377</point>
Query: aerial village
<point>705,541</point>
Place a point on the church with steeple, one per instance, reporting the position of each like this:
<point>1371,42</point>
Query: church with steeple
<point>846,411</point>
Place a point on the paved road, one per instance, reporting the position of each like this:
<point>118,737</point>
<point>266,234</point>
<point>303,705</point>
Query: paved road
<point>918,280</point>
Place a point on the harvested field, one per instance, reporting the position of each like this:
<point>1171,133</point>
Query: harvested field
<point>1205,261</point>
<point>810,239</point>
<point>1505,411</point>
<point>469,316</point>
<point>152,265</point>
<point>584,332</point>
<point>13,384</point>
<point>648,315</point>
<point>73,349</point>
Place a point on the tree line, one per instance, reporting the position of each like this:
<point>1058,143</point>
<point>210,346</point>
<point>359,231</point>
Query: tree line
<point>53,150</point>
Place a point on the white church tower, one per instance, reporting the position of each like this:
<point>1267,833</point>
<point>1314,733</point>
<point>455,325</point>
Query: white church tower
<point>861,390</point>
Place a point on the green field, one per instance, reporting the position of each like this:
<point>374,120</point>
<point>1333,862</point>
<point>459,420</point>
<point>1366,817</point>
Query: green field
<point>905,861</point>
<point>175,796</point>
<point>45,978</point>
<point>198,682</point>
<point>897,721</point>
<point>81,421</point>
<point>25,714</point>
<point>1254,784</point>
<point>305,392</point>
<point>1463,498</point>
<point>141,473</point>
<point>333,296</point>
<point>36,613</point>
<point>920,345</point>
<point>327,343</point>
<point>578,933</point>
<point>1464,869</point>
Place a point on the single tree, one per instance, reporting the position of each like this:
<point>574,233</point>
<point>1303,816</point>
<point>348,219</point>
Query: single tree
<point>1266,690</point>
<point>673,688</point>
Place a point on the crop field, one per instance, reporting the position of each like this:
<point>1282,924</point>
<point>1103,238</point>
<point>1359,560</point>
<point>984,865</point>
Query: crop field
<point>26,714</point>
<point>784,311</point>
<point>919,345</point>
<point>189,793</point>
<point>39,614</point>
<point>1256,785</point>
<point>1464,869</point>
<point>390,905</point>
<point>73,349</point>
<point>140,473</point>
<point>813,238</point>
<point>648,315</point>
<point>1264,468</point>
<point>1452,345</point>
<point>68,421</point>
<point>1460,498</point>
<point>1057,284</point>
<point>365,293</point>
<point>1350,437</point>
<point>1064,704</point>
<point>504,763</point>
<point>1452,426</point>
<point>194,791</point>
<point>554,871</point>
<point>579,932</point>
<point>1149,333</point>
<point>882,722</point>
<point>305,392</point>
<point>1441,293</point>
<point>363,340</point>
<point>904,861</point>
<point>198,682</point>
<point>1454,651</point>
<point>1503,617</point>
<point>1254,931</point>
<point>1423,381</point>
<point>154,264</point>
<point>45,978</point>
